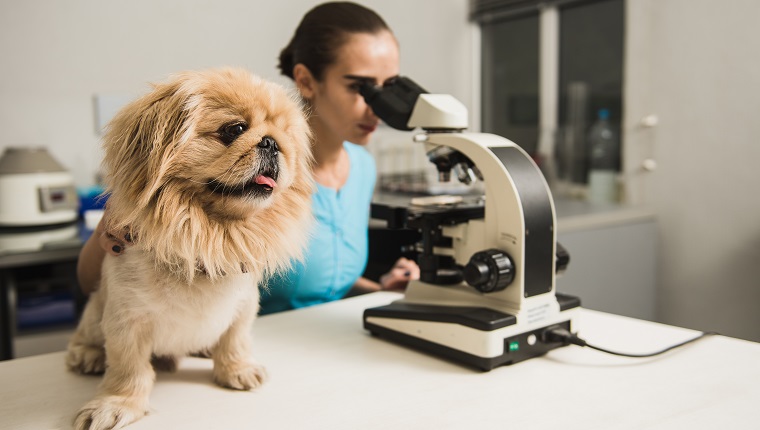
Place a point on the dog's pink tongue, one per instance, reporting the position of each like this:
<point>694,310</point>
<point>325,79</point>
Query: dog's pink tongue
<point>265,180</point>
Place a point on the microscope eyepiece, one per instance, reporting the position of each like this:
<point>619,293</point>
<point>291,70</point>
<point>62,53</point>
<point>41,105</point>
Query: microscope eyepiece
<point>369,91</point>
<point>394,101</point>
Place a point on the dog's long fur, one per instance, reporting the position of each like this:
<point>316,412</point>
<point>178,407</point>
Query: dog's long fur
<point>206,230</point>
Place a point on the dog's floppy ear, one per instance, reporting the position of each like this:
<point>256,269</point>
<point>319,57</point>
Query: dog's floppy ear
<point>138,143</point>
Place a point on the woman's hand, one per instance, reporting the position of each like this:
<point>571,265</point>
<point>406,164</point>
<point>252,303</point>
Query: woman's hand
<point>398,277</point>
<point>100,243</point>
<point>113,242</point>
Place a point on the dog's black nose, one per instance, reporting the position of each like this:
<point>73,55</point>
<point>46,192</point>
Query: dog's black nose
<point>268,143</point>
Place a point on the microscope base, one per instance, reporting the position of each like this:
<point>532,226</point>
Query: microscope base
<point>478,337</point>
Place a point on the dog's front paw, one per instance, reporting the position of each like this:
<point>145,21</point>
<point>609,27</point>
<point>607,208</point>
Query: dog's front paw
<point>240,376</point>
<point>109,412</point>
<point>87,359</point>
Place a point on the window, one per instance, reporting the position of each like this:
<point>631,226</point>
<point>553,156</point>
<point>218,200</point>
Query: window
<point>510,77</point>
<point>548,67</point>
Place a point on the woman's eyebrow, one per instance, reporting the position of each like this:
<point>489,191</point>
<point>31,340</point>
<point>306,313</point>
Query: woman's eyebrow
<point>368,79</point>
<point>361,79</point>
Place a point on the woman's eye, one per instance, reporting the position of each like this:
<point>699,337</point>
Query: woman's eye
<point>229,132</point>
<point>391,81</point>
<point>356,84</point>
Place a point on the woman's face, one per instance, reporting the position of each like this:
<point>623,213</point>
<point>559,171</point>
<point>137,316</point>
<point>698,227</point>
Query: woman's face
<point>339,111</point>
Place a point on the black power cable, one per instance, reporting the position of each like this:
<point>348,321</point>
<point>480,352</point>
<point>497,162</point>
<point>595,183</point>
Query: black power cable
<point>561,334</point>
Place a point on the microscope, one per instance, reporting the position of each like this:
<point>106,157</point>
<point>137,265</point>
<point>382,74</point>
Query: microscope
<point>486,294</point>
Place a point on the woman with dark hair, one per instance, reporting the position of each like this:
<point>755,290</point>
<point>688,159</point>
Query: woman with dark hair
<point>337,47</point>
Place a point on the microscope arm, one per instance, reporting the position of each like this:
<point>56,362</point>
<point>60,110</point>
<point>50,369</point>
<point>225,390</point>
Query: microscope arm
<point>519,212</point>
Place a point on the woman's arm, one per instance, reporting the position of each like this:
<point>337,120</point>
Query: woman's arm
<point>92,254</point>
<point>397,278</point>
<point>90,261</point>
<point>364,285</point>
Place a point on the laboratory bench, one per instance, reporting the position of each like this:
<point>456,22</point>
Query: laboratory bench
<point>613,256</point>
<point>327,372</point>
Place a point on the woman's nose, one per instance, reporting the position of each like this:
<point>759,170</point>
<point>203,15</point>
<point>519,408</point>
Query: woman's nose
<point>371,113</point>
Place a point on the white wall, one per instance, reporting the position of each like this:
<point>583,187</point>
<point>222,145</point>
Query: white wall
<point>56,55</point>
<point>696,65</point>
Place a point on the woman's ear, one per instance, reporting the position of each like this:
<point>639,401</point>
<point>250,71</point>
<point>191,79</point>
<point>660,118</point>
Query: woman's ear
<point>305,81</point>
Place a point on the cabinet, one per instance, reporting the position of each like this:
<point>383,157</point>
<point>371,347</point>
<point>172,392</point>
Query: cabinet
<point>38,288</point>
<point>613,258</point>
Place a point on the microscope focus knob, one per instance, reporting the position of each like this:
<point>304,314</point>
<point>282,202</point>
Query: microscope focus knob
<point>489,271</point>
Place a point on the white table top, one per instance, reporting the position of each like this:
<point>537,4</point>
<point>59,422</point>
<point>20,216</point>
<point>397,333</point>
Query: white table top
<point>327,372</point>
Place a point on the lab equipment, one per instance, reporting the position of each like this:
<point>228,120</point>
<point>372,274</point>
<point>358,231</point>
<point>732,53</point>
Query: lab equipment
<point>486,294</point>
<point>35,190</point>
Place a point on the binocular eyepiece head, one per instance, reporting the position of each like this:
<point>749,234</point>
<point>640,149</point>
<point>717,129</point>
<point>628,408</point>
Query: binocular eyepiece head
<point>394,101</point>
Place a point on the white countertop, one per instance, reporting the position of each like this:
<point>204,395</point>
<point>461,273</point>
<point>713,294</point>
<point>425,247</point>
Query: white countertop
<point>327,372</point>
<point>574,215</point>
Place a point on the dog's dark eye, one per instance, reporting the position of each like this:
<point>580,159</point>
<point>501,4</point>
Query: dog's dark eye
<point>229,132</point>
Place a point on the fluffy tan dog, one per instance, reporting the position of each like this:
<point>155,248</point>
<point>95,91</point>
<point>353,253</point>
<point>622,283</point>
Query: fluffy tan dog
<point>210,173</point>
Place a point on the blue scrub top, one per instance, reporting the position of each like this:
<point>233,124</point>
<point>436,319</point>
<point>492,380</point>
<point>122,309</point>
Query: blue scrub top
<point>337,253</point>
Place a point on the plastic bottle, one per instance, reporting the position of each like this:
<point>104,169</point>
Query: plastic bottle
<point>604,159</point>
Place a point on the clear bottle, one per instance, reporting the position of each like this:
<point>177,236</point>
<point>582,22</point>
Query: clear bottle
<point>604,160</point>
